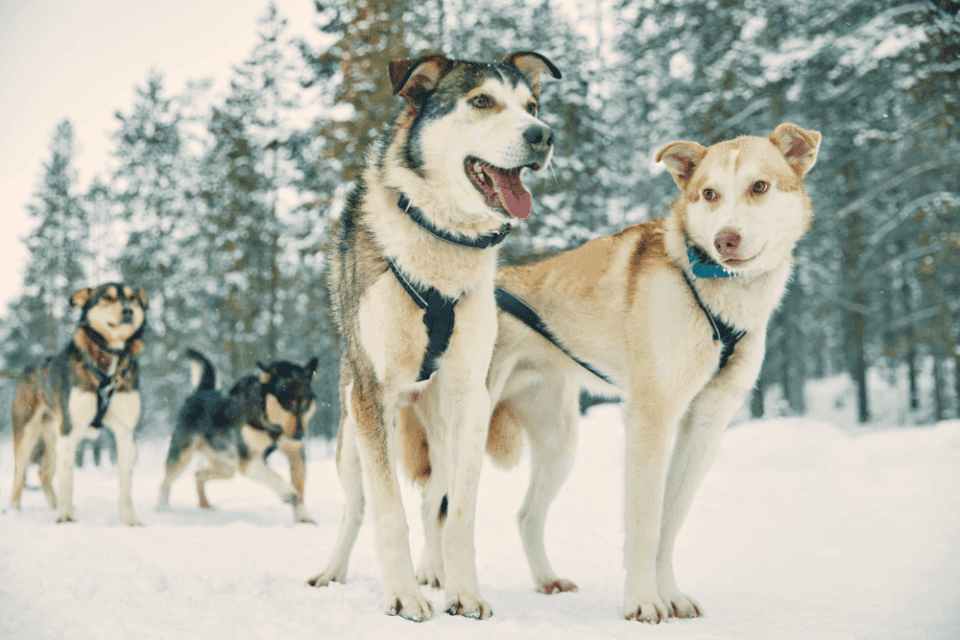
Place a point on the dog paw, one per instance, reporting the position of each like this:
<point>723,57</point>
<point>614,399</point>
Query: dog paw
<point>426,575</point>
<point>651,611</point>
<point>63,519</point>
<point>324,578</point>
<point>680,605</point>
<point>305,520</point>
<point>133,523</point>
<point>468,606</point>
<point>412,606</point>
<point>559,585</point>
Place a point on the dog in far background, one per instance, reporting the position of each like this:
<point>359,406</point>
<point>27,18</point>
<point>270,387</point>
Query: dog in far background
<point>237,431</point>
<point>92,383</point>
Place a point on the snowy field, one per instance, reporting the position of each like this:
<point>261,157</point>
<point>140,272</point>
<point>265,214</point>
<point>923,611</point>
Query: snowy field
<point>801,530</point>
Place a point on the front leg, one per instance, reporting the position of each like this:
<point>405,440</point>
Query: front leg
<point>697,443</point>
<point>650,425</point>
<point>400,589</point>
<point>466,449</point>
<point>294,450</point>
<point>82,407</point>
<point>122,419</point>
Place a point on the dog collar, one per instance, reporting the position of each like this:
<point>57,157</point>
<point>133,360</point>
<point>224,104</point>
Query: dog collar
<point>438,317</point>
<point>102,343</point>
<point>483,242</point>
<point>702,265</point>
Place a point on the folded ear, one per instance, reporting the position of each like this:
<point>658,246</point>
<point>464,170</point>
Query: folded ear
<point>142,297</point>
<point>681,159</point>
<point>798,146</point>
<point>80,297</point>
<point>531,65</point>
<point>415,79</point>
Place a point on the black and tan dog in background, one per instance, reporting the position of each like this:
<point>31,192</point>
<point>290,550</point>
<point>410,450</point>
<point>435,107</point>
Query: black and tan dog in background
<point>92,383</point>
<point>238,430</point>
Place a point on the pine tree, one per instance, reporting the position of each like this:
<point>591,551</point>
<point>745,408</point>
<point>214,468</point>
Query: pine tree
<point>58,249</point>
<point>154,183</point>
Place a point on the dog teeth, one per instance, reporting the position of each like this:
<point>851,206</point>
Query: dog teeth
<point>478,168</point>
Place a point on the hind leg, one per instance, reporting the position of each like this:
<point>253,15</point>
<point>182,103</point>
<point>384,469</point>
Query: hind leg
<point>48,468</point>
<point>24,441</point>
<point>427,464</point>
<point>179,456</point>
<point>218,468</point>
<point>351,479</point>
<point>550,417</point>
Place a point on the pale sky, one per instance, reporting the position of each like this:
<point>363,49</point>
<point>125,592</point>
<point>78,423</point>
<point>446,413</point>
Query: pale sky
<point>81,59</point>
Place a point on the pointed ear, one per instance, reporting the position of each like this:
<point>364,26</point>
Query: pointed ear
<point>415,79</point>
<point>798,146</point>
<point>264,373</point>
<point>531,65</point>
<point>681,159</point>
<point>80,297</point>
<point>311,367</point>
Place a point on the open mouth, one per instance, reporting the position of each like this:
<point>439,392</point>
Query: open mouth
<point>502,187</point>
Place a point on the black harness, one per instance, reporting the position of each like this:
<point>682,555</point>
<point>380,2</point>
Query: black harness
<point>438,314</point>
<point>702,266</point>
<point>525,314</point>
<point>107,383</point>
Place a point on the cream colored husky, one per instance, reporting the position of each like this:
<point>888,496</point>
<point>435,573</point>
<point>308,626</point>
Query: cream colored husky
<point>674,313</point>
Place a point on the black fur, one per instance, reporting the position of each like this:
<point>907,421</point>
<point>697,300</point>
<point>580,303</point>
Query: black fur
<point>218,417</point>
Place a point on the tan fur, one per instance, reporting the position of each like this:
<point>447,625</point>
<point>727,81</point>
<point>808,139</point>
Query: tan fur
<point>439,423</point>
<point>56,402</point>
<point>621,304</point>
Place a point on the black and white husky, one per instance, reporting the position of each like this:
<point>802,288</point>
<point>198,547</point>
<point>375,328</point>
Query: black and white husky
<point>412,266</point>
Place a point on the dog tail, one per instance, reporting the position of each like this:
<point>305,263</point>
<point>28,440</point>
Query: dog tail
<point>202,375</point>
<point>504,438</point>
<point>414,451</point>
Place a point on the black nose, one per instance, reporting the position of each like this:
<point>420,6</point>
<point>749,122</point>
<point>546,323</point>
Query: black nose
<point>540,137</point>
<point>126,315</point>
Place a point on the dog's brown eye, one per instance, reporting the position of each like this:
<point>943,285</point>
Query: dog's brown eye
<point>760,186</point>
<point>532,108</point>
<point>710,195</point>
<point>482,102</point>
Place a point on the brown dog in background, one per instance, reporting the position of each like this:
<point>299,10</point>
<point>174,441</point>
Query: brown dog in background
<point>92,383</point>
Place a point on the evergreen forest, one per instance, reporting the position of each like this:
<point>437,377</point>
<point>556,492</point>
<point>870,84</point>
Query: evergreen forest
<point>220,209</point>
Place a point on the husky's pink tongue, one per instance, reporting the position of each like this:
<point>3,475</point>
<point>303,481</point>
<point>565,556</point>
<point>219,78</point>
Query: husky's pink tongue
<point>510,190</point>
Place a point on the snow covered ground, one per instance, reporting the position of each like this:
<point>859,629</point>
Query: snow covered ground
<point>800,531</point>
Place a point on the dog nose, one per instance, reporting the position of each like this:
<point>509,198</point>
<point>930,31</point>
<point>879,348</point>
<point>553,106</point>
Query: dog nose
<point>727,241</point>
<point>126,315</point>
<point>539,137</point>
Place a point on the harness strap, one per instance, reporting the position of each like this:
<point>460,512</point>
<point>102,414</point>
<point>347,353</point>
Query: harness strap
<point>438,317</point>
<point>728,335</point>
<point>483,242</point>
<point>105,389</point>
<point>525,314</point>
